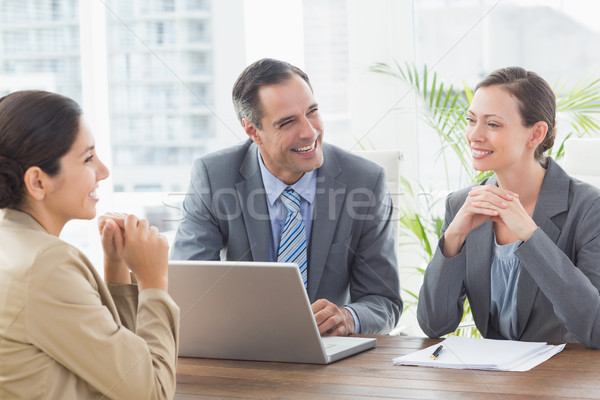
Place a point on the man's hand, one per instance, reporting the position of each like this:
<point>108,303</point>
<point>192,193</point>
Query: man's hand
<point>331,319</point>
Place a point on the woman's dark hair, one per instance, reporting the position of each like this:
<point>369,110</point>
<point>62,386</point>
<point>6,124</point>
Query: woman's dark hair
<point>266,71</point>
<point>37,128</point>
<point>536,101</point>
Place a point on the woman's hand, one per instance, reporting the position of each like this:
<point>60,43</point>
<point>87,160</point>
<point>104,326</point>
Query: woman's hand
<point>146,252</point>
<point>111,232</point>
<point>111,227</point>
<point>516,219</point>
<point>482,203</point>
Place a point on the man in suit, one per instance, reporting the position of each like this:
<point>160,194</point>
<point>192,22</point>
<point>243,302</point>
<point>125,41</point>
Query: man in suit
<point>345,239</point>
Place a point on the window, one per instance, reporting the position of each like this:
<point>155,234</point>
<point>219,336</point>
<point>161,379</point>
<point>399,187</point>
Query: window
<point>154,83</point>
<point>464,41</point>
<point>198,63</point>
<point>197,31</point>
<point>203,5</point>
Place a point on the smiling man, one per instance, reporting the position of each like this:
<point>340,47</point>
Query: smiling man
<point>286,196</point>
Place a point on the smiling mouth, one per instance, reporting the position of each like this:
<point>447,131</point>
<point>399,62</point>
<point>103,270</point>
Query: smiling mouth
<point>93,195</point>
<point>305,149</point>
<point>480,152</point>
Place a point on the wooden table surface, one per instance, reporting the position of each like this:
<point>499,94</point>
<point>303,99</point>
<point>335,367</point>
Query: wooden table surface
<point>572,374</point>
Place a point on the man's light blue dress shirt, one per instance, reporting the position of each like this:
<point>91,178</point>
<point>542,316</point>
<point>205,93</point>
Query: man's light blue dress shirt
<point>306,187</point>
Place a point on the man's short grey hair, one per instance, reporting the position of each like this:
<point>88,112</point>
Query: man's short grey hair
<point>266,71</point>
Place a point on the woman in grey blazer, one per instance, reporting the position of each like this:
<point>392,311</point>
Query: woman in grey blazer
<point>523,245</point>
<point>64,333</point>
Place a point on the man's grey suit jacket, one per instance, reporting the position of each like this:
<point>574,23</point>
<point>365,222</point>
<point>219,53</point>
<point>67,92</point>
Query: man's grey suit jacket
<point>351,254</point>
<point>558,295</point>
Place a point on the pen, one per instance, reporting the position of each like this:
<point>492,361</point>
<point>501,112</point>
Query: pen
<point>437,352</point>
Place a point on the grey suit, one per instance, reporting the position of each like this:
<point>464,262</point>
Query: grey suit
<point>558,289</point>
<point>351,255</point>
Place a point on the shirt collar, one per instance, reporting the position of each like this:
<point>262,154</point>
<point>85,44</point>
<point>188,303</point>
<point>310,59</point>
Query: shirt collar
<point>306,186</point>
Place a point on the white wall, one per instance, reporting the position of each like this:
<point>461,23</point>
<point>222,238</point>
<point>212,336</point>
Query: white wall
<point>382,109</point>
<point>229,37</point>
<point>274,29</point>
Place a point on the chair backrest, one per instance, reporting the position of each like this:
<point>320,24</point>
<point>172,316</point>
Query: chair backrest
<point>390,161</point>
<point>582,159</point>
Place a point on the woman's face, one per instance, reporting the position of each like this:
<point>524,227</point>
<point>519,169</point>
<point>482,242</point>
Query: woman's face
<point>495,131</point>
<point>72,194</point>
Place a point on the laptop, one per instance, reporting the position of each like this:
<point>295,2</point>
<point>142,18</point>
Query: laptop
<point>251,311</point>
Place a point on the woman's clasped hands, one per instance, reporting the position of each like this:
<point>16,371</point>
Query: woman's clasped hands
<point>488,202</point>
<point>130,243</point>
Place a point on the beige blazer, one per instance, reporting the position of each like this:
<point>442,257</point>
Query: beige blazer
<point>65,335</point>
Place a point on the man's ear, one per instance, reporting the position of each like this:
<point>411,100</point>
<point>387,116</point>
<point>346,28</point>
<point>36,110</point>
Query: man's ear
<point>252,131</point>
<point>36,182</point>
<point>538,133</point>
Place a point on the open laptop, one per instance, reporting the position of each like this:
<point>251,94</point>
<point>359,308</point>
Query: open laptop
<point>251,311</point>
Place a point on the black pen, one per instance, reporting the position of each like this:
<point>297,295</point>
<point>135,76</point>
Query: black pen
<point>437,352</point>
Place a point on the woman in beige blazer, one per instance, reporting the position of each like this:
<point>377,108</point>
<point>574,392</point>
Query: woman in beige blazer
<point>64,332</point>
<point>524,245</point>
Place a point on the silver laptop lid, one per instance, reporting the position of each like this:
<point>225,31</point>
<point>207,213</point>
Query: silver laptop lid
<point>244,310</point>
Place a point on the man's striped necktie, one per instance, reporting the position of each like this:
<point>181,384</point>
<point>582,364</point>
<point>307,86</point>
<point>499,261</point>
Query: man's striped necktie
<point>292,246</point>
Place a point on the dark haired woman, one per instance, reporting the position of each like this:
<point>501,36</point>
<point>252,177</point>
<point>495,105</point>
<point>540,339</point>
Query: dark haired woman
<point>64,333</point>
<point>523,245</point>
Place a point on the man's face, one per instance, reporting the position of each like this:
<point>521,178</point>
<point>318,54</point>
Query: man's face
<point>292,131</point>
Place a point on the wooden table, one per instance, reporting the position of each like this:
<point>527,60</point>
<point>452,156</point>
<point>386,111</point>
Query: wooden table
<point>572,374</point>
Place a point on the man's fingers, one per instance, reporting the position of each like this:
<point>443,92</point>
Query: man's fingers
<point>328,326</point>
<point>338,331</point>
<point>319,305</point>
<point>331,319</point>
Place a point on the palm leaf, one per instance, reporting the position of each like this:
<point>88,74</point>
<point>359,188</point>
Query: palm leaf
<point>580,106</point>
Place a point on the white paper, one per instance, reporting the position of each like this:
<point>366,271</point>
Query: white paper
<point>538,358</point>
<point>469,353</point>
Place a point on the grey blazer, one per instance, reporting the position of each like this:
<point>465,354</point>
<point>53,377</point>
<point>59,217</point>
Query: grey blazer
<point>558,289</point>
<point>351,255</point>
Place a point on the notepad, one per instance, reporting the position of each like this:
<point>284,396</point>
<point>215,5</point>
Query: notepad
<point>489,354</point>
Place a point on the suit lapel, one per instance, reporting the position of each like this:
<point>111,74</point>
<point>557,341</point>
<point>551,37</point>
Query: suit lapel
<point>325,217</point>
<point>253,203</point>
<point>552,200</point>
